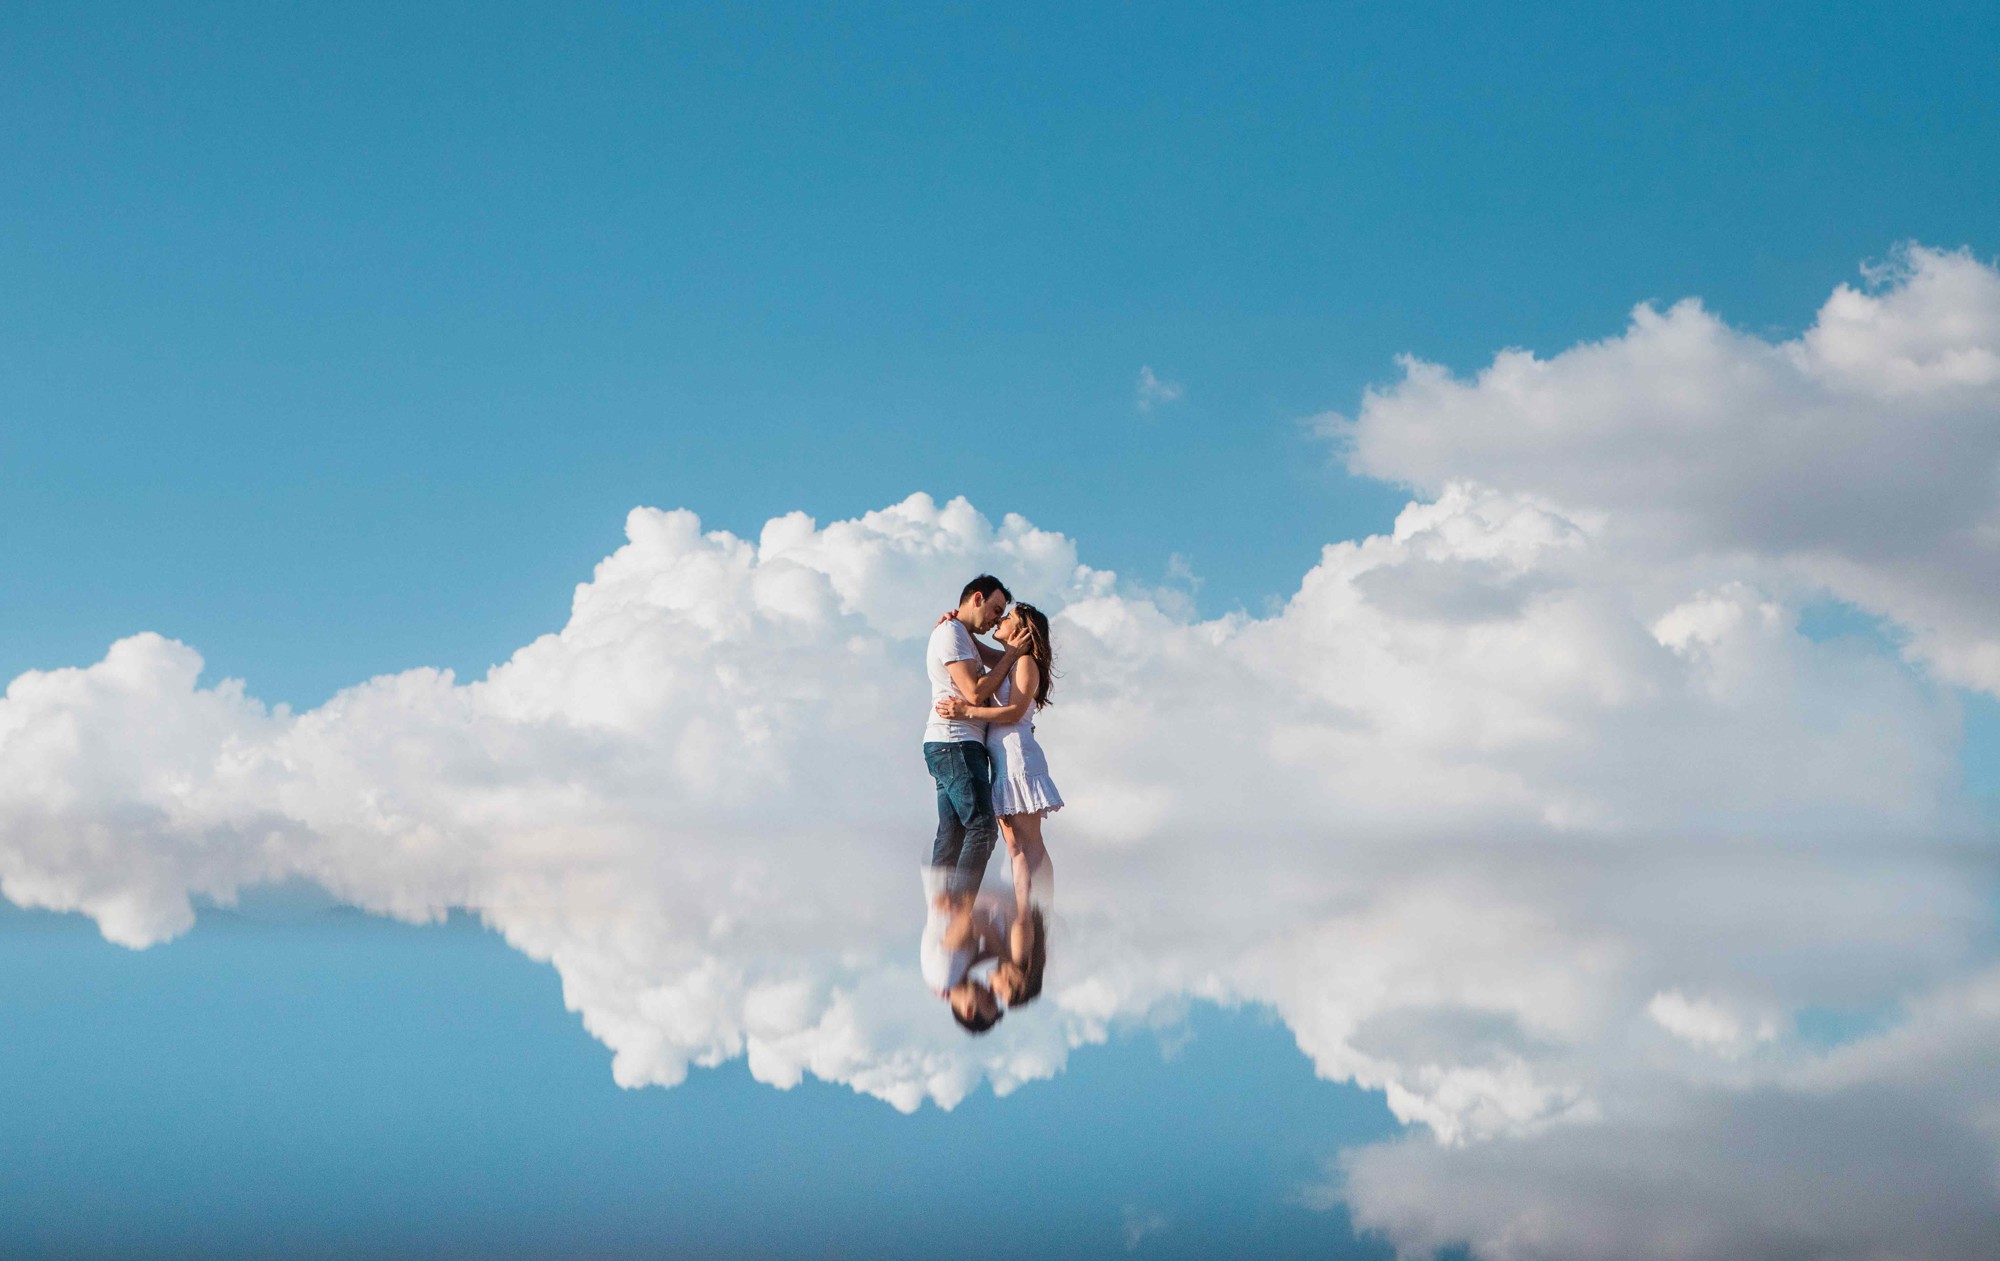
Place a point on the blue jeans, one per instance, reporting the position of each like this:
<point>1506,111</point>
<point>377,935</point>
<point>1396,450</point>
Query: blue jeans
<point>966,827</point>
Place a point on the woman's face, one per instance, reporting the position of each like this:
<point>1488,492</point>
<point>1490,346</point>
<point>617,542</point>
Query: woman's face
<point>1010,625</point>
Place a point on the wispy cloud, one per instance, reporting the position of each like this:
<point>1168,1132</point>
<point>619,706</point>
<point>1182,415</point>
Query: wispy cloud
<point>1150,391</point>
<point>1140,1223</point>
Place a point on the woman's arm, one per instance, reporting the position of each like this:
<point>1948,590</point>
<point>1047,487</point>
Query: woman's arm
<point>989,683</point>
<point>993,924</point>
<point>975,683</point>
<point>976,689</point>
<point>1027,678</point>
<point>980,688</point>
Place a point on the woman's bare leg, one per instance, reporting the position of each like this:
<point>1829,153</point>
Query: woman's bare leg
<point>1017,861</point>
<point>1024,846</point>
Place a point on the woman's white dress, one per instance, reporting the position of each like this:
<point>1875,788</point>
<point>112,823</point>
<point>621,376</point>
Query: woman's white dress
<point>1021,783</point>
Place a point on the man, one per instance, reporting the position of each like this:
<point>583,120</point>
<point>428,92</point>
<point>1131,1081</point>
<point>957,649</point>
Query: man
<point>960,934</point>
<point>954,748</point>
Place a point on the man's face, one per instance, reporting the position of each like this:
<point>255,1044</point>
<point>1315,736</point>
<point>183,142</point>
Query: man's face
<point>987,612</point>
<point>973,1001</point>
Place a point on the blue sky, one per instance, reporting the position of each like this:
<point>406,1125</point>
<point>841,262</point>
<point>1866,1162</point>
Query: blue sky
<point>338,342</point>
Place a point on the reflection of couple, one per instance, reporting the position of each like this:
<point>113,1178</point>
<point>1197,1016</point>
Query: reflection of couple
<point>980,747</point>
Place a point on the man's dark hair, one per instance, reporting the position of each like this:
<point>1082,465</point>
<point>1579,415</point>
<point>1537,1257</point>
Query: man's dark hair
<point>977,1023</point>
<point>986,585</point>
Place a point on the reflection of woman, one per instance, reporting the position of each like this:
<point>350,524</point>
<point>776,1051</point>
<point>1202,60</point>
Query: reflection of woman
<point>1023,793</point>
<point>1017,977</point>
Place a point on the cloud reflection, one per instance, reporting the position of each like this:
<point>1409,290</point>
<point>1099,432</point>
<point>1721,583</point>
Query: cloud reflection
<point>1537,814</point>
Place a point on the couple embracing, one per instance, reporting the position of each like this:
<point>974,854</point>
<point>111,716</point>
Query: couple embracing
<point>991,779</point>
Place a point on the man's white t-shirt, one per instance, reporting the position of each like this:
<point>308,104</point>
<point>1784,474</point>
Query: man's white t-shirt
<point>949,642</point>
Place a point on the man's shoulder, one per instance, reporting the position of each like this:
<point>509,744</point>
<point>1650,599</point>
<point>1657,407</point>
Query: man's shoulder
<point>950,641</point>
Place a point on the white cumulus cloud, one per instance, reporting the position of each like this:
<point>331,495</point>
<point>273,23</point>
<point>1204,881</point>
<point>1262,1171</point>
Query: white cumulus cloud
<point>1862,455</point>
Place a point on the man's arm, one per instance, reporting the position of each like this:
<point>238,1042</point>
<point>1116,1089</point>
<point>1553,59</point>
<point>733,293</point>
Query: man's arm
<point>965,676</point>
<point>1026,682</point>
<point>977,686</point>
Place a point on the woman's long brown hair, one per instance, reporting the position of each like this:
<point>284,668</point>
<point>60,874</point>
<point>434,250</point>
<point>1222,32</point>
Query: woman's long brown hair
<point>1038,960</point>
<point>1041,650</point>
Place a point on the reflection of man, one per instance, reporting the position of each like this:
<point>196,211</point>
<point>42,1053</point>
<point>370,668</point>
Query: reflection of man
<point>960,934</point>
<point>955,748</point>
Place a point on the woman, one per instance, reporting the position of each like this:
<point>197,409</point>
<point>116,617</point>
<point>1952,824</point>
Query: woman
<point>1023,793</point>
<point>1017,977</point>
